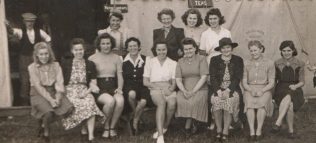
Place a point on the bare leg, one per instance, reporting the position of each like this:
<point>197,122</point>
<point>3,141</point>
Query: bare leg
<point>227,122</point>
<point>251,120</point>
<point>284,106</point>
<point>218,116</point>
<point>138,112</point>
<point>132,99</point>
<point>171,109</point>
<point>261,115</point>
<point>188,123</point>
<point>108,106</point>
<point>160,102</point>
<point>290,118</point>
<point>90,125</point>
<point>118,109</point>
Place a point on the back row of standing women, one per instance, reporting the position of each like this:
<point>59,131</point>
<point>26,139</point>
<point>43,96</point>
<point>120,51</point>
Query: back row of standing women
<point>174,87</point>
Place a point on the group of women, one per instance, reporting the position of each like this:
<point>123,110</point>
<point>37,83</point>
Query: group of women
<point>175,80</point>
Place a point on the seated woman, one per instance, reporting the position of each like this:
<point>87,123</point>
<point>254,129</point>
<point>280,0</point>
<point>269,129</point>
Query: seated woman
<point>288,93</point>
<point>226,71</point>
<point>191,74</point>
<point>159,77</point>
<point>258,80</point>
<point>110,81</point>
<point>134,90</point>
<point>80,80</point>
<point>47,88</point>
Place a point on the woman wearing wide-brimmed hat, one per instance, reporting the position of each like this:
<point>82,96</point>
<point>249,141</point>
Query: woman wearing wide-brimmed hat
<point>226,71</point>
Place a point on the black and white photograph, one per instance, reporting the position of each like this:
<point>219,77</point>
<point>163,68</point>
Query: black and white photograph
<point>157,71</point>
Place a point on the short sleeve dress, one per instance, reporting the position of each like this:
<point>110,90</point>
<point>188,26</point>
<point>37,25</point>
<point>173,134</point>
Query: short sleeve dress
<point>257,74</point>
<point>289,72</point>
<point>195,107</point>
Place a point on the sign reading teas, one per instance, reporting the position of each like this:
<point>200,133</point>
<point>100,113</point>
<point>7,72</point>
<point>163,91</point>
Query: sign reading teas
<point>200,3</point>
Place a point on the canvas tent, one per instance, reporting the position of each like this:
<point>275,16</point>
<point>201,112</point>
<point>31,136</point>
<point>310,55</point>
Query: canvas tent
<point>270,21</point>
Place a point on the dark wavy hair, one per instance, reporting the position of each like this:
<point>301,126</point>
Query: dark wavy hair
<point>217,12</point>
<point>77,41</point>
<point>290,44</point>
<point>104,36</point>
<point>192,11</point>
<point>257,44</point>
<point>130,40</point>
<point>190,41</point>
<point>166,11</point>
<point>116,14</point>
<point>153,49</point>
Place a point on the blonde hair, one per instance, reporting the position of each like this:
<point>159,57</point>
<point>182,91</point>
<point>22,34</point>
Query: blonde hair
<point>43,45</point>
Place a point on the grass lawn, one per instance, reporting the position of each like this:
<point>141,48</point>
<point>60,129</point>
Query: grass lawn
<point>24,130</point>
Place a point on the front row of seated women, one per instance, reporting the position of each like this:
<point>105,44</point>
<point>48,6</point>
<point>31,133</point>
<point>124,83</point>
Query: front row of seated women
<point>81,89</point>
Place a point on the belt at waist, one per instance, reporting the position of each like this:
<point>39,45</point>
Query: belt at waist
<point>106,78</point>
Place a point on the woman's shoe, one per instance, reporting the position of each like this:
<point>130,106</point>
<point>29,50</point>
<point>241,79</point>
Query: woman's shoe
<point>113,132</point>
<point>218,137</point>
<point>40,132</point>
<point>275,128</point>
<point>106,133</point>
<point>292,136</point>
<point>224,138</point>
<point>252,138</point>
<point>46,139</point>
<point>91,140</point>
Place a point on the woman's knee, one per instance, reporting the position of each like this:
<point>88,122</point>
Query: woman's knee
<point>132,95</point>
<point>107,100</point>
<point>172,103</point>
<point>119,100</point>
<point>142,103</point>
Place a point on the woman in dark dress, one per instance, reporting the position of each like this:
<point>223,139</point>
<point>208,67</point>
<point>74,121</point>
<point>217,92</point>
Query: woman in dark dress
<point>288,93</point>
<point>226,71</point>
<point>169,34</point>
<point>134,90</point>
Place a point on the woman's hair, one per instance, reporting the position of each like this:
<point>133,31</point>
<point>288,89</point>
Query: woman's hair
<point>104,36</point>
<point>116,14</point>
<point>190,41</point>
<point>166,11</point>
<point>43,45</point>
<point>153,49</point>
<point>77,41</point>
<point>192,11</point>
<point>130,40</point>
<point>257,44</point>
<point>217,12</point>
<point>290,44</point>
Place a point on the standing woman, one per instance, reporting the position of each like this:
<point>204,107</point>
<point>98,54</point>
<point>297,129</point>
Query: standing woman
<point>258,80</point>
<point>226,71</point>
<point>169,34</point>
<point>288,93</point>
<point>80,80</point>
<point>134,90</point>
<point>193,20</point>
<point>191,74</point>
<point>209,39</point>
<point>110,81</point>
<point>47,88</point>
<point>159,77</point>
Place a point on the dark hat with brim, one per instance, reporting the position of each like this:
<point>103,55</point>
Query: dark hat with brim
<point>225,41</point>
<point>29,16</point>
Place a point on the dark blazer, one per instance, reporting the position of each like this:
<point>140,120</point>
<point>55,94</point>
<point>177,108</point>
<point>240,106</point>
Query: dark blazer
<point>66,66</point>
<point>217,70</point>
<point>173,40</point>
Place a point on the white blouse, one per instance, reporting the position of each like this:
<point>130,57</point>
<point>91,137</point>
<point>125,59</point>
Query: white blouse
<point>160,73</point>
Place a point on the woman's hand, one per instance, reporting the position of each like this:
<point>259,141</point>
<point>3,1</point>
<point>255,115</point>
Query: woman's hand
<point>95,89</point>
<point>253,93</point>
<point>259,93</point>
<point>118,91</point>
<point>180,52</point>
<point>167,91</point>
<point>293,87</point>
<point>225,95</point>
<point>53,103</point>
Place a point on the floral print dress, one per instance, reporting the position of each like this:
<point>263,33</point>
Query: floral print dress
<point>84,107</point>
